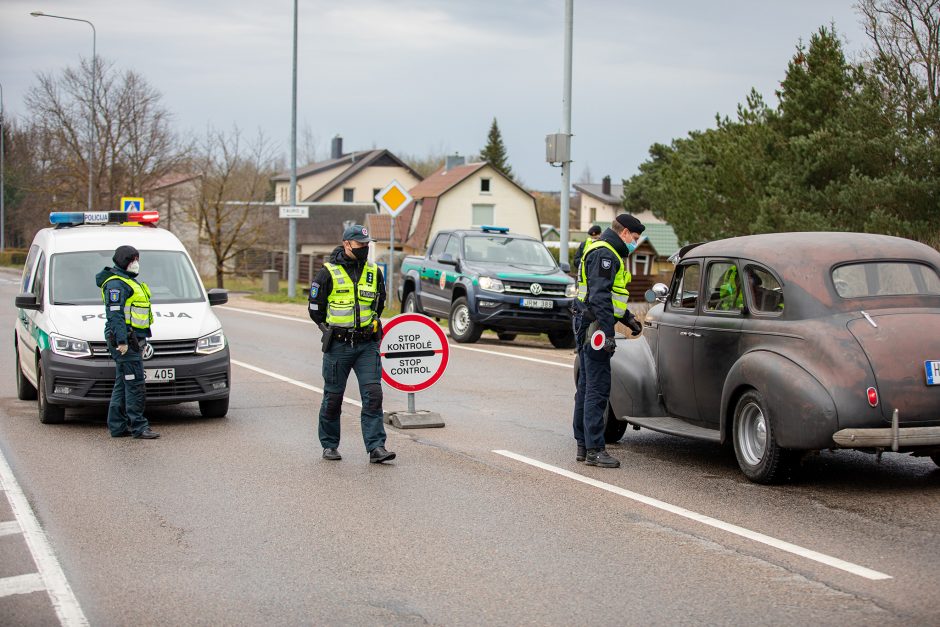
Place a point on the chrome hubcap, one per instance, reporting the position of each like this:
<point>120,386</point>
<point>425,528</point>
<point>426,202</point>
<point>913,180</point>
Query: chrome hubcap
<point>410,305</point>
<point>752,434</point>
<point>461,321</point>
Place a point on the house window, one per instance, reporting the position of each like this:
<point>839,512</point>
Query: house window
<point>640,264</point>
<point>283,194</point>
<point>348,194</point>
<point>482,214</point>
<point>593,215</point>
<point>484,186</point>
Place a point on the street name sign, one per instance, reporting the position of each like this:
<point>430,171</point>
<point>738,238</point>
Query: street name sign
<point>287,211</point>
<point>393,198</point>
<point>414,352</point>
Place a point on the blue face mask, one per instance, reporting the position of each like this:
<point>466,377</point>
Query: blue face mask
<point>631,246</point>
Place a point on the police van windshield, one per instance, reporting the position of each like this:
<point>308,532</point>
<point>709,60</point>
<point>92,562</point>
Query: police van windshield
<point>168,273</point>
<point>507,250</point>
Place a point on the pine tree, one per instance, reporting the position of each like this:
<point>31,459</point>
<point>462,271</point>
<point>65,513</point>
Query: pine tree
<point>495,151</point>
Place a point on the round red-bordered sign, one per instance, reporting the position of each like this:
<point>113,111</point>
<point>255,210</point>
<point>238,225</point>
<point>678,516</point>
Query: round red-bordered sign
<point>414,352</point>
<point>598,339</point>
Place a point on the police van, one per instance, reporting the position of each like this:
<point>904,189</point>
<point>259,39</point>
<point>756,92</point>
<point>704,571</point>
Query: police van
<point>62,357</point>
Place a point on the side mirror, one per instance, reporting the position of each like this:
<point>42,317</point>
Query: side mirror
<point>658,294</point>
<point>27,301</point>
<point>217,296</point>
<point>447,259</point>
<point>565,267</point>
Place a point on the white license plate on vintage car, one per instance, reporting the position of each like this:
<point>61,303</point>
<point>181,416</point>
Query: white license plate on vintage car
<point>933,372</point>
<point>536,303</point>
<point>159,375</point>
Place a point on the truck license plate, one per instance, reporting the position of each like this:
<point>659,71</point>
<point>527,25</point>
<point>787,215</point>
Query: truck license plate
<point>933,372</point>
<point>159,375</point>
<point>535,303</point>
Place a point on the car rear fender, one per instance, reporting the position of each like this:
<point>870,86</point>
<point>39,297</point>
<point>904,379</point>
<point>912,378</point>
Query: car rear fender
<point>803,413</point>
<point>633,389</point>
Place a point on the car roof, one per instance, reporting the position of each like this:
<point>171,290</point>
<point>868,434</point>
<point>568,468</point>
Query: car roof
<point>492,233</point>
<point>107,237</point>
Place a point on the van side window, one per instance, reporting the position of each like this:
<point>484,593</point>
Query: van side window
<point>40,281</point>
<point>685,286</point>
<point>28,267</point>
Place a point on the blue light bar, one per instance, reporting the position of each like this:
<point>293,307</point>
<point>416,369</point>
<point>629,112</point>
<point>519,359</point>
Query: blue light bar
<point>494,229</point>
<point>76,218</point>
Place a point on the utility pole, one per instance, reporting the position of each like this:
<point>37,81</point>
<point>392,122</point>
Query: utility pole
<point>566,130</point>
<point>292,222</point>
<point>3,193</point>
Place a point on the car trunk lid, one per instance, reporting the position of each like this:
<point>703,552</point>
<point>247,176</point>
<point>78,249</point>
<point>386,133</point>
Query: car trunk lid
<point>898,348</point>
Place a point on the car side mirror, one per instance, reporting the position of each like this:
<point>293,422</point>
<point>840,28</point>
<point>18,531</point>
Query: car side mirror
<point>447,259</point>
<point>565,267</point>
<point>27,301</point>
<point>217,296</point>
<point>658,293</point>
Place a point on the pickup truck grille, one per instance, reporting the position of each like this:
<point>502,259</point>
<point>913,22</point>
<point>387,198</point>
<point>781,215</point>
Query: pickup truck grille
<point>161,348</point>
<point>549,290</point>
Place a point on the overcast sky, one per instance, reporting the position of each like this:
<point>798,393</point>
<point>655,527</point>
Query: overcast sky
<point>424,76</point>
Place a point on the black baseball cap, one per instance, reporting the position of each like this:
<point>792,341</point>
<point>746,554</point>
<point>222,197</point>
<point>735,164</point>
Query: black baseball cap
<point>356,233</point>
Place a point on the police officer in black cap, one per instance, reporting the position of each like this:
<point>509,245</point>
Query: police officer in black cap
<point>601,303</point>
<point>127,326</point>
<point>593,233</point>
<point>346,300</point>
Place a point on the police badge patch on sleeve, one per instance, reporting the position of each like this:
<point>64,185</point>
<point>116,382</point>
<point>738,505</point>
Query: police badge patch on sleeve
<point>314,289</point>
<point>606,265</point>
<point>114,295</point>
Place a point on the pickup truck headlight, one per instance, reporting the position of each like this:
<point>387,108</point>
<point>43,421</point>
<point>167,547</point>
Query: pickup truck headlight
<point>490,284</point>
<point>571,290</point>
<point>68,347</point>
<point>212,343</point>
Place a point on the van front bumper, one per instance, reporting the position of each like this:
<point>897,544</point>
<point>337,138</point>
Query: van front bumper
<point>83,382</point>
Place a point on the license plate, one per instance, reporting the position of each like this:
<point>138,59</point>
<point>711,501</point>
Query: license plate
<point>159,375</point>
<point>535,303</point>
<point>933,372</point>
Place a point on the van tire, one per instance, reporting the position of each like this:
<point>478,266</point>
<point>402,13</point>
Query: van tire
<point>561,339</point>
<point>462,328</point>
<point>48,414</point>
<point>214,409</point>
<point>24,389</point>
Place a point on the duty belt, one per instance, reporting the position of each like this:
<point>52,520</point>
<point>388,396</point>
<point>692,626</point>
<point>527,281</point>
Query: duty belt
<point>348,335</point>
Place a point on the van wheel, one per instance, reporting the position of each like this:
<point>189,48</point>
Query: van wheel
<point>411,304</point>
<point>24,389</point>
<point>462,328</point>
<point>214,409</point>
<point>613,428</point>
<point>761,459</point>
<point>561,339</point>
<point>48,414</point>
<point>506,337</point>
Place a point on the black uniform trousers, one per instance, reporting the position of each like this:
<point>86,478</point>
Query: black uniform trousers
<point>593,390</point>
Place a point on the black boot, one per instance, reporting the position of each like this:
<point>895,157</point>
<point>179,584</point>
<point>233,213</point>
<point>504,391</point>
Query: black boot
<point>379,455</point>
<point>582,453</point>
<point>331,454</point>
<point>600,457</point>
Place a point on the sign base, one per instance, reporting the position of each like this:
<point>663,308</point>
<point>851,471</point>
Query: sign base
<point>420,419</point>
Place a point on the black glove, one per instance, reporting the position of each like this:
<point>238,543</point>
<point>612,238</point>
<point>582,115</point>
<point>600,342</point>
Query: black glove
<point>635,327</point>
<point>610,345</point>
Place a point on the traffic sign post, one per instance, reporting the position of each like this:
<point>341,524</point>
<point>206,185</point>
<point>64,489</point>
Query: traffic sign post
<point>414,353</point>
<point>393,198</point>
<point>132,203</point>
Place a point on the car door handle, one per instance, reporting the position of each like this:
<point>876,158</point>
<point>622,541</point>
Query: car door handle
<point>689,334</point>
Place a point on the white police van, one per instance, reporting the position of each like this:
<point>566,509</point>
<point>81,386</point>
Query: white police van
<point>61,353</point>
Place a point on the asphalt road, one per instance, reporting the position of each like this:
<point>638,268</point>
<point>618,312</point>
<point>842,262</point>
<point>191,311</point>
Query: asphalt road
<point>239,521</point>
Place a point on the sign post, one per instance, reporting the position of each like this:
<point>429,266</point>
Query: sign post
<point>393,198</point>
<point>414,354</point>
<point>132,203</point>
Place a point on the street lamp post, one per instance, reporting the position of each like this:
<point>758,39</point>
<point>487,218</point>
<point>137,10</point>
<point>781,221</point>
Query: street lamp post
<point>292,223</point>
<point>3,193</point>
<point>91,129</point>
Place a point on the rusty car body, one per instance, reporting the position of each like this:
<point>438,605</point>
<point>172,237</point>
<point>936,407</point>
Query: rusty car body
<point>813,341</point>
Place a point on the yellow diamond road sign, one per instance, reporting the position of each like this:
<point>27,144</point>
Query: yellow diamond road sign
<point>394,198</point>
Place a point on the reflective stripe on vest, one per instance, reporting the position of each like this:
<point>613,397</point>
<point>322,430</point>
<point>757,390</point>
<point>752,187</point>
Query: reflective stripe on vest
<point>344,306</point>
<point>618,292</point>
<point>137,311</point>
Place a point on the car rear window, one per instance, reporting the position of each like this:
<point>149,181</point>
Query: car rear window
<point>885,278</point>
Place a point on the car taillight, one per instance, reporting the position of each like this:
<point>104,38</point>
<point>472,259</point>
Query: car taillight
<point>873,397</point>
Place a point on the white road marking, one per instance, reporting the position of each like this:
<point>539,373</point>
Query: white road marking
<point>10,528</point>
<point>60,592</point>
<point>21,584</point>
<point>299,384</point>
<point>782,545</point>
<point>452,345</point>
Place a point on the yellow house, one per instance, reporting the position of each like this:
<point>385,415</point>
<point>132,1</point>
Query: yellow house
<point>602,202</point>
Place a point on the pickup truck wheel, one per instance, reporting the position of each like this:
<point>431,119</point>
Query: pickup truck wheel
<point>506,337</point>
<point>214,409</point>
<point>411,304</point>
<point>613,428</point>
<point>462,328</point>
<point>561,339</point>
<point>48,414</point>
<point>24,389</point>
<point>761,459</point>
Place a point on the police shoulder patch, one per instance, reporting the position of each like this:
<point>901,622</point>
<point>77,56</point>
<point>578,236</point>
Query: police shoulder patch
<point>114,295</point>
<point>314,289</point>
<point>606,263</point>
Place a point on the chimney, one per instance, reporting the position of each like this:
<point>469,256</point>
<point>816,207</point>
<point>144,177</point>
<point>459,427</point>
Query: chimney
<point>605,185</point>
<point>336,149</point>
<point>453,161</point>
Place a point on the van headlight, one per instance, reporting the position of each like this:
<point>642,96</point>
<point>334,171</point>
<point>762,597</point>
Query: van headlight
<point>571,290</point>
<point>490,284</point>
<point>212,343</point>
<point>69,347</point>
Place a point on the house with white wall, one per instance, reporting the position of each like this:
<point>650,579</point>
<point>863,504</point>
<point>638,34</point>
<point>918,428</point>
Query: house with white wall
<point>602,202</point>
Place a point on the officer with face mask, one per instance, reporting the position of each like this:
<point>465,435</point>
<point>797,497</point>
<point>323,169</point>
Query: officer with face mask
<point>127,326</point>
<point>601,303</point>
<point>346,300</point>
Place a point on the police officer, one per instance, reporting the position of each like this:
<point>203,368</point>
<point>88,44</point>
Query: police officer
<point>593,233</point>
<point>601,303</point>
<point>346,300</point>
<point>126,328</point>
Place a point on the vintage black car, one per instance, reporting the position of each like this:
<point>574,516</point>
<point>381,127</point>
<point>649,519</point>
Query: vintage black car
<point>786,343</point>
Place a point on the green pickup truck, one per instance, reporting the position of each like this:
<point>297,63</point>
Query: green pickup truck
<point>489,278</point>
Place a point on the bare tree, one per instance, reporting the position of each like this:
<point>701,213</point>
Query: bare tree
<point>234,181</point>
<point>309,150</point>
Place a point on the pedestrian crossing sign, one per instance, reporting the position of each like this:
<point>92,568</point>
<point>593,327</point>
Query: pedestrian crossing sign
<point>129,203</point>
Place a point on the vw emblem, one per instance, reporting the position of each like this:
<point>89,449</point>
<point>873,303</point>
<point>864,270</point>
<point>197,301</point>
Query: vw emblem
<point>147,353</point>
<point>536,289</point>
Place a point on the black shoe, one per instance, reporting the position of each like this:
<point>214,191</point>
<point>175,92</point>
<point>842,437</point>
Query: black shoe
<point>582,453</point>
<point>379,455</point>
<point>332,454</point>
<point>600,457</point>
<point>122,434</point>
<point>147,434</point>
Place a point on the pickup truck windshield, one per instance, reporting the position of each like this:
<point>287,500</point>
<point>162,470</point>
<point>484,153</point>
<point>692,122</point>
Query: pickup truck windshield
<point>168,273</point>
<point>507,250</point>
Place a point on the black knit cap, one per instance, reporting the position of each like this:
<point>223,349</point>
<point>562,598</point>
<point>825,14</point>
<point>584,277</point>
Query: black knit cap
<point>124,255</point>
<point>594,230</point>
<point>630,223</point>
